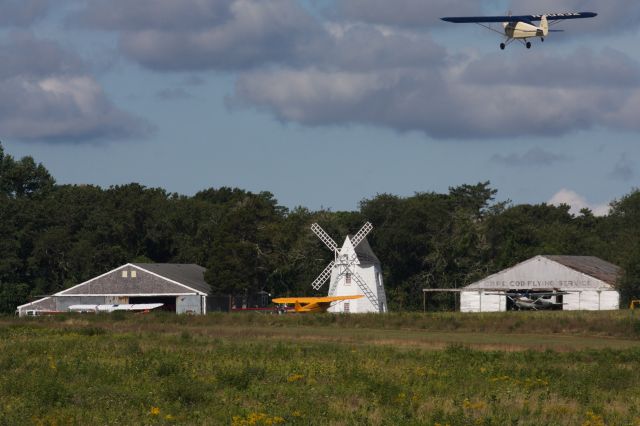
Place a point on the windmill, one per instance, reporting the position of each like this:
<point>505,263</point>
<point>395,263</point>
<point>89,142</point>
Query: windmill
<point>354,270</point>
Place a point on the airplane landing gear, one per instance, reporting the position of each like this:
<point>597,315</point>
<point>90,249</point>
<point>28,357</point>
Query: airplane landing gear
<point>502,46</point>
<point>528,45</point>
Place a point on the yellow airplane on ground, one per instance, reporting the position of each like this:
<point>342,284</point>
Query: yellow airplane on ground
<point>313,304</point>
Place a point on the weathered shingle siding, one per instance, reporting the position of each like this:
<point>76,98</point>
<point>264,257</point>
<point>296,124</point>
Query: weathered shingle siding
<point>46,304</point>
<point>189,274</point>
<point>115,283</point>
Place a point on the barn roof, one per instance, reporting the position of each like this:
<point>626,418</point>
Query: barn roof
<point>365,252</point>
<point>590,265</point>
<point>188,274</point>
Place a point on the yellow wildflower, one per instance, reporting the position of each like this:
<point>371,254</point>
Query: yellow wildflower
<point>256,419</point>
<point>593,419</point>
<point>154,411</point>
<point>294,378</point>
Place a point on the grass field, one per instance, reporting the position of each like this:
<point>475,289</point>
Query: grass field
<point>480,369</point>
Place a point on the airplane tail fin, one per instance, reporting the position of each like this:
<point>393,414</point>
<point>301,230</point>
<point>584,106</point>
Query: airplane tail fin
<point>544,25</point>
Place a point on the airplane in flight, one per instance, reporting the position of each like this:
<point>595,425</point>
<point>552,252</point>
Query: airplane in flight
<point>523,27</point>
<point>313,304</point>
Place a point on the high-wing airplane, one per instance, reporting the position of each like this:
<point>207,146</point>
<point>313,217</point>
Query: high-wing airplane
<point>523,27</point>
<point>313,304</point>
<point>537,301</point>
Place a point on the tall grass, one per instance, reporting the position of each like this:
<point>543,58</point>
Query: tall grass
<point>625,323</point>
<point>161,370</point>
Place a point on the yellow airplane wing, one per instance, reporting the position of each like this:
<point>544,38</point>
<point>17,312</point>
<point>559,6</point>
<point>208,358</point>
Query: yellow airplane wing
<point>313,304</point>
<point>289,300</point>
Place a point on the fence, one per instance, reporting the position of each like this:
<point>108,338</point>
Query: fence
<point>243,302</point>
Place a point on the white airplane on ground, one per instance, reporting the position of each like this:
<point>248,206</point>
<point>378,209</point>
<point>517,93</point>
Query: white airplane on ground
<point>521,28</point>
<point>533,301</point>
<point>144,307</point>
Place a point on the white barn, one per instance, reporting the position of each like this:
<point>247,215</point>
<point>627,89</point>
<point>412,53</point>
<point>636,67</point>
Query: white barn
<point>364,277</point>
<point>181,288</point>
<point>589,282</point>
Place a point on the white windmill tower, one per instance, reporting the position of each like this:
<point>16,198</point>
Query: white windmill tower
<point>355,270</point>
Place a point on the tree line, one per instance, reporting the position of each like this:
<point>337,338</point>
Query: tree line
<point>54,236</point>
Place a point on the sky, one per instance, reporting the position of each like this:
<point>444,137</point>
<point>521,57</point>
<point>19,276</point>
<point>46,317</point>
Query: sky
<point>323,102</point>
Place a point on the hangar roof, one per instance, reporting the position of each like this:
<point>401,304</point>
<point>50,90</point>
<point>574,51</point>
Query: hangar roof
<point>590,265</point>
<point>171,278</point>
<point>189,274</point>
<point>542,272</point>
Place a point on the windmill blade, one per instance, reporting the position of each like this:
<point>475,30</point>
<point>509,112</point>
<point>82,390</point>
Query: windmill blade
<point>323,277</point>
<point>362,233</point>
<point>324,237</point>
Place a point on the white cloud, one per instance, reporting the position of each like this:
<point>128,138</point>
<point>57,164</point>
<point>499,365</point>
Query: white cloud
<point>193,35</point>
<point>47,94</point>
<point>578,202</point>
<point>374,62</point>
<point>439,100</point>
<point>408,13</point>
<point>22,13</point>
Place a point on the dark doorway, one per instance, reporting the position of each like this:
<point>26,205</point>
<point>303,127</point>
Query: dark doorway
<point>169,302</point>
<point>536,295</point>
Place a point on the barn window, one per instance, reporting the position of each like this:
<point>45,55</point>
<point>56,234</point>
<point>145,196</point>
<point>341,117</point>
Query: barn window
<point>134,274</point>
<point>347,279</point>
<point>124,274</point>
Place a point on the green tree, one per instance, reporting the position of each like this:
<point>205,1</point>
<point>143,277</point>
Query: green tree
<point>23,178</point>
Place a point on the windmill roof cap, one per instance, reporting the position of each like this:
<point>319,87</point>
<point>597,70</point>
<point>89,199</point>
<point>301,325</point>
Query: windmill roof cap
<point>365,252</point>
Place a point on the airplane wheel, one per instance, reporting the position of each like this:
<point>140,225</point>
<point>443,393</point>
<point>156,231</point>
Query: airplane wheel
<point>528,45</point>
<point>502,46</point>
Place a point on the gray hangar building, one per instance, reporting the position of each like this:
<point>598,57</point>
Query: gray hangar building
<point>180,287</point>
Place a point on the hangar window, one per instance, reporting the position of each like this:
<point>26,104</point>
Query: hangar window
<point>124,274</point>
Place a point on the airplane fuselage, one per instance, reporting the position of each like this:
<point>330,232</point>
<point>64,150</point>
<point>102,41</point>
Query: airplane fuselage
<point>524,303</point>
<point>522,30</point>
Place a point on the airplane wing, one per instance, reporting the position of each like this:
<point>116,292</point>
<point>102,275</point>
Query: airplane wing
<point>111,308</point>
<point>289,300</point>
<point>521,18</point>
<point>129,307</point>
